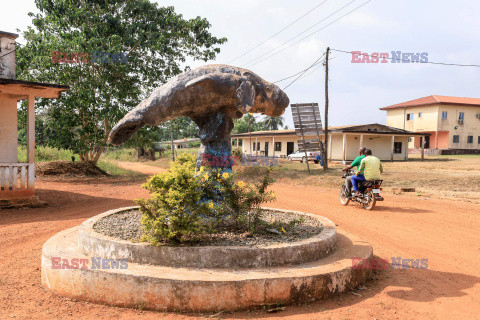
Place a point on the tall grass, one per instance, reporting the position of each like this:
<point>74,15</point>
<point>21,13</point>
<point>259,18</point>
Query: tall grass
<point>45,154</point>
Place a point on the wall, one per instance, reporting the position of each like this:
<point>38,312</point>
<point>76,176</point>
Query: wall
<point>471,126</point>
<point>432,121</point>
<point>8,129</point>
<point>270,140</point>
<point>7,62</point>
<point>381,146</point>
<point>428,122</point>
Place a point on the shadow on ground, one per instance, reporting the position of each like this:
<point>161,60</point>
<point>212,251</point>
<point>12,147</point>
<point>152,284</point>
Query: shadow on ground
<point>416,285</point>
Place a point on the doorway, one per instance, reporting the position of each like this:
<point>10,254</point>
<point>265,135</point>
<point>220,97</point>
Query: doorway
<point>266,149</point>
<point>290,148</point>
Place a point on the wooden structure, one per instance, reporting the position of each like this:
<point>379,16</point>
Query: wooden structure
<point>308,122</point>
<point>17,179</point>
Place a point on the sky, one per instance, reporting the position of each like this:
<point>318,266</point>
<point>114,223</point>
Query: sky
<point>448,31</point>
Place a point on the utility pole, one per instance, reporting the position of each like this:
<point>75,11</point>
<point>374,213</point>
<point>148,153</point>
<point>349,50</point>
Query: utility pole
<point>325,161</point>
<point>171,138</point>
<point>250,133</point>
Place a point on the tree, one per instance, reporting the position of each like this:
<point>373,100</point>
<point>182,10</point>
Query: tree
<point>156,39</point>
<point>241,125</point>
<point>271,123</point>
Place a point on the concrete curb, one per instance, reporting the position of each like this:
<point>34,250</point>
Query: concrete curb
<point>316,247</point>
<point>203,290</point>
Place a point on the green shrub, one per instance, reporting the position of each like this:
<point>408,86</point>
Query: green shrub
<point>186,203</point>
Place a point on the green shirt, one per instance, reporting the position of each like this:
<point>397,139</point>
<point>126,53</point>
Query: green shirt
<point>357,161</point>
<point>371,167</point>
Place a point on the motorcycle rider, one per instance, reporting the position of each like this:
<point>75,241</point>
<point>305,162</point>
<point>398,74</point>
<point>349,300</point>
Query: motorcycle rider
<point>370,169</point>
<point>355,163</point>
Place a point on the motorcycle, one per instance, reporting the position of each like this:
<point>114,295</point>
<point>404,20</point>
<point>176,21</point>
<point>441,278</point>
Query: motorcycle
<point>368,195</point>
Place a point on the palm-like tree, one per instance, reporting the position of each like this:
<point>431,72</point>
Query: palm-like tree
<point>272,123</point>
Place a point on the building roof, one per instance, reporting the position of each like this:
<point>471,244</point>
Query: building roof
<point>38,89</point>
<point>361,128</point>
<point>8,34</point>
<point>434,99</point>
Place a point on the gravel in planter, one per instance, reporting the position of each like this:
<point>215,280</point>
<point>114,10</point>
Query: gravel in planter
<point>126,226</point>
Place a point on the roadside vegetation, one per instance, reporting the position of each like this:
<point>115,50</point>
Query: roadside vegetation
<point>187,202</point>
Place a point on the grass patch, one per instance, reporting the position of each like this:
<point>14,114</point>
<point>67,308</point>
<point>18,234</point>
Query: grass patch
<point>44,154</point>
<point>116,171</point>
<point>166,159</point>
<point>120,154</point>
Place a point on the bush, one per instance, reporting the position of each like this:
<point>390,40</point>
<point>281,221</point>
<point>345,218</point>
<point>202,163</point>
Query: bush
<point>187,203</point>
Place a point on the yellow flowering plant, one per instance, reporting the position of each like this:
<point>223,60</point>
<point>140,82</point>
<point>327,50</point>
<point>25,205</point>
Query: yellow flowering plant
<point>187,202</point>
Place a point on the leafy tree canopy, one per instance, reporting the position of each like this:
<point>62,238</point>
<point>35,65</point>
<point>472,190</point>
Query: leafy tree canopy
<point>156,39</point>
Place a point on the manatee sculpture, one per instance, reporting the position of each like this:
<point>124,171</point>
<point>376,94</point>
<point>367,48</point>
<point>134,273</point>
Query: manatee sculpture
<point>211,96</point>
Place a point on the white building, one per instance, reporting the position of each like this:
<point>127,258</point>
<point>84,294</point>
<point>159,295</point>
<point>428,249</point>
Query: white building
<point>386,143</point>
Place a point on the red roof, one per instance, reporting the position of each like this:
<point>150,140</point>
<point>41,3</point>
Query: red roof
<point>435,100</point>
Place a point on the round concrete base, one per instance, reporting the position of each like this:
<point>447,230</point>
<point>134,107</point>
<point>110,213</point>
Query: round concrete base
<point>68,271</point>
<point>318,246</point>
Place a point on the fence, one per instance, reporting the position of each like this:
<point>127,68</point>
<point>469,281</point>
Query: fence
<point>16,176</point>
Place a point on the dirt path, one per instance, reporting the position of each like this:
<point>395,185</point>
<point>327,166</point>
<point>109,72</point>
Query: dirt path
<point>445,233</point>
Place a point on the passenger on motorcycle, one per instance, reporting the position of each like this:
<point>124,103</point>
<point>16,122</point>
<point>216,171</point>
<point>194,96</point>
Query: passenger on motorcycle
<point>355,163</point>
<point>370,169</point>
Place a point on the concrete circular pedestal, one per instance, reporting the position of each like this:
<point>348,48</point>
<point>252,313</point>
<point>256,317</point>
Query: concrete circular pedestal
<point>321,245</point>
<point>80,263</point>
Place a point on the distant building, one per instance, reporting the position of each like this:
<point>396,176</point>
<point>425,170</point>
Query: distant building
<point>453,122</point>
<point>179,144</point>
<point>386,143</point>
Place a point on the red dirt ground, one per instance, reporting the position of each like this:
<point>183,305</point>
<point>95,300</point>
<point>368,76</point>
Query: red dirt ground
<point>445,232</point>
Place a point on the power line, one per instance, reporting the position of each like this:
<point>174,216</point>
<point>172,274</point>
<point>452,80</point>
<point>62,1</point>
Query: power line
<point>293,75</point>
<point>275,53</point>
<point>311,66</point>
<point>313,70</point>
<point>430,62</point>
<point>288,26</point>
<point>268,54</point>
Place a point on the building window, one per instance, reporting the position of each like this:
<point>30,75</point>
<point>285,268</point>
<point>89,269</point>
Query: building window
<point>461,115</point>
<point>444,115</point>
<point>409,116</point>
<point>478,139</point>
<point>397,147</point>
<point>456,138</point>
<point>470,139</point>
<point>254,144</point>
<point>420,114</point>
<point>258,146</point>
<point>409,139</point>
<point>278,146</point>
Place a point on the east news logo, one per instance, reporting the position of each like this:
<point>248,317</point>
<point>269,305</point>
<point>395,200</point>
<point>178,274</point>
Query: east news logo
<point>383,264</point>
<point>384,57</point>
<point>96,263</point>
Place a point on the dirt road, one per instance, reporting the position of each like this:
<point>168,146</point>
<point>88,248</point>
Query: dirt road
<point>444,232</point>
